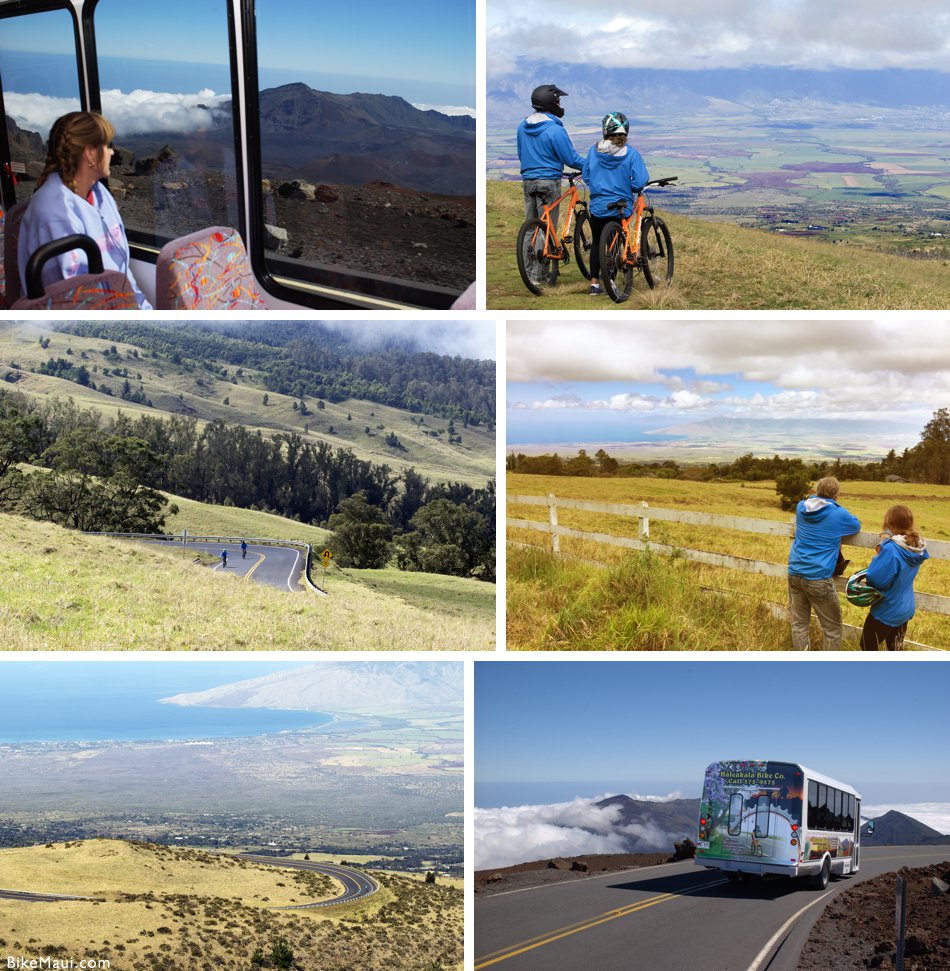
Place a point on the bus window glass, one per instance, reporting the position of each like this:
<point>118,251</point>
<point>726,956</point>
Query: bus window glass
<point>368,142</point>
<point>40,82</point>
<point>821,817</point>
<point>849,813</point>
<point>165,81</point>
<point>735,813</point>
<point>839,815</point>
<point>812,803</point>
<point>762,807</point>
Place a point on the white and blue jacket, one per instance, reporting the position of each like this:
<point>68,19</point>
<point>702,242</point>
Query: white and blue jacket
<point>893,572</point>
<point>613,173</point>
<point>820,525</point>
<point>545,148</point>
<point>56,211</point>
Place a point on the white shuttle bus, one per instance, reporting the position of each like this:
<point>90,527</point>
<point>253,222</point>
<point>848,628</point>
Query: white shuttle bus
<point>781,818</point>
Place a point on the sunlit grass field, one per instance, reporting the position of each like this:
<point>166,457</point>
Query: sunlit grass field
<point>62,590</point>
<point>719,266</point>
<point>661,602</point>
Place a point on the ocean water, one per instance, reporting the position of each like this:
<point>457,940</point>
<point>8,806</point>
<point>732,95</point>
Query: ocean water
<point>94,702</point>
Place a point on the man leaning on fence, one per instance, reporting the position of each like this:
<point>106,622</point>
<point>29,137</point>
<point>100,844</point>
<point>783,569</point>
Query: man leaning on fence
<point>820,525</point>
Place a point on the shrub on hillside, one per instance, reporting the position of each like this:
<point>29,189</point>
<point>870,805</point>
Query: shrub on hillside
<point>792,487</point>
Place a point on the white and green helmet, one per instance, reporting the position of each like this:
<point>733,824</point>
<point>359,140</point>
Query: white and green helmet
<point>615,123</point>
<point>860,592</point>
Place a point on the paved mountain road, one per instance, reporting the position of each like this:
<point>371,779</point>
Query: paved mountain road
<point>356,884</point>
<point>667,918</point>
<point>276,566</point>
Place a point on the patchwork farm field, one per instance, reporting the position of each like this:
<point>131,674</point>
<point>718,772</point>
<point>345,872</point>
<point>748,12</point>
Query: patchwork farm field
<point>879,181</point>
<point>660,602</point>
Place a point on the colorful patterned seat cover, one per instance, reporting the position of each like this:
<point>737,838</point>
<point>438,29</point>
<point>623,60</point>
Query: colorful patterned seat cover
<point>11,237</point>
<point>208,270</point>
<point>87,291</point>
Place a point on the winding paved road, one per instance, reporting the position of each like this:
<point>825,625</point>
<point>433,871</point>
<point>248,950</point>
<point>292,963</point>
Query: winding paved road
<point>277,566</point>
<point>36,898</point>
<point>666,918</point>
<point>356,884</point>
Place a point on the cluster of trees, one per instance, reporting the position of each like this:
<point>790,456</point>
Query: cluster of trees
<point>928,461</point>
<point>308,359</point>
<point>103,474</point>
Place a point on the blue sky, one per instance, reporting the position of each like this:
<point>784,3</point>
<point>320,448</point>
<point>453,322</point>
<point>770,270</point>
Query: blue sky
<point>609,381</point>
<point>660,723</point>
<point>424,46</point>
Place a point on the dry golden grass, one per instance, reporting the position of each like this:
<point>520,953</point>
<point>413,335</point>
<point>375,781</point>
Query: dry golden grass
<point>167,909</point>
<point>527,619</point>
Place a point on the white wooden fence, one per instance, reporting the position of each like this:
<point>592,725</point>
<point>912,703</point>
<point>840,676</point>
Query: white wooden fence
<point>643,513</point>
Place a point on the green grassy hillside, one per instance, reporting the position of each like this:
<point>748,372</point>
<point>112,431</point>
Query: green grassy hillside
<point>176,390</point>
<point>661,602</point>
<point>63,590</point>
<point>171,908</point>
<point>720,266</point>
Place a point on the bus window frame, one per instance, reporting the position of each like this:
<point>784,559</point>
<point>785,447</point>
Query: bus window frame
<point>26,8</point>
<point>738,826</point>
<point>355,289</point>
<point>146,245</point>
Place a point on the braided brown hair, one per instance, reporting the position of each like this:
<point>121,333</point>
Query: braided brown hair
<point>68,137</point>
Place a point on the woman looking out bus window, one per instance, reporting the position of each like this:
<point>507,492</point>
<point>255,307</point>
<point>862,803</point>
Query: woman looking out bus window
<point>72,199</point>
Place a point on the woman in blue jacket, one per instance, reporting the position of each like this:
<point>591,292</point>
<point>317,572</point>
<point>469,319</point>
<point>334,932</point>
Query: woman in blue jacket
<point>71,199</point>
<point>613,171</point>
<point>892,572</point>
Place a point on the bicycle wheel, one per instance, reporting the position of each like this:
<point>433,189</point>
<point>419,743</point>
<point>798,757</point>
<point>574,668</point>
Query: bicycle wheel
<point>615,272</point>
<point>583,243</point>
<point>537,272</point>
<point>656,251</point>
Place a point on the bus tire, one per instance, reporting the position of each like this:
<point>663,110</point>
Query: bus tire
<point>820,880</point>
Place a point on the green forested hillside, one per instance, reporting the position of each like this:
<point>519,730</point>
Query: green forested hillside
<point>719,266</point>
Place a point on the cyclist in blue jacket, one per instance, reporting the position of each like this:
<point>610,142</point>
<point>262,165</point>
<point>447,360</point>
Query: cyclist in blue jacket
<point>613,170</point>
<point>893,571</point>
<point>544,149</point>
<point>820,525</point>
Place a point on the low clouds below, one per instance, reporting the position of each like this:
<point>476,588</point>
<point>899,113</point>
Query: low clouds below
<point>933,814</point>
<point>447,109</point>
<point>519,834</point>
<point>866,34</point>
<point>133,113</point>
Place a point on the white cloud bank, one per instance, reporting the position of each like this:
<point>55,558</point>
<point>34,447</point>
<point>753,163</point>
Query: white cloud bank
<point>520,834</point>
<point>132,113</point>
<point>867,34</point>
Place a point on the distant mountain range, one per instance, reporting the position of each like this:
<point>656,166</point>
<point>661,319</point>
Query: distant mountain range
<point>353,139</point>
<point>644,92</point>
<point>353,687</point>
<point>647,825</point>
<point>898,829</point>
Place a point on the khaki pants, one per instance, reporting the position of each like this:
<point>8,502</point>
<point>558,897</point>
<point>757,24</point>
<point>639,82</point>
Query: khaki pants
<point>822,597</point>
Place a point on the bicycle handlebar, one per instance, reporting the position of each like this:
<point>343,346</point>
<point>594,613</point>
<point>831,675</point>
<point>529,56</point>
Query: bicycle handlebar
<point>663,182</point>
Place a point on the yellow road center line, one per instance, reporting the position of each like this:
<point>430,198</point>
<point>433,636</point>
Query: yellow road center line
<point>256,565</point>
<point>570,929</point>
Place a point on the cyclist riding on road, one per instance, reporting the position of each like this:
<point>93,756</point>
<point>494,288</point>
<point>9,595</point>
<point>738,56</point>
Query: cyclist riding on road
<point>243,549</point>
<point>224,558</point>
<point>613,170</point>
<point>544,149</point>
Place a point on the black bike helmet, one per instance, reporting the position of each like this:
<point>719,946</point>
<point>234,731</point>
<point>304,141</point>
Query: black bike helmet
<point>615,123</point>
<point>547,97</point>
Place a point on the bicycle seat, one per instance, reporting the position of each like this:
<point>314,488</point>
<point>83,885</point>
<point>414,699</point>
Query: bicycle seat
<point>620,205</point>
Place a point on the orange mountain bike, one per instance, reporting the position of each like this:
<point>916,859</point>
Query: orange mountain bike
<point>641,241</point>
<point>541,251</point>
